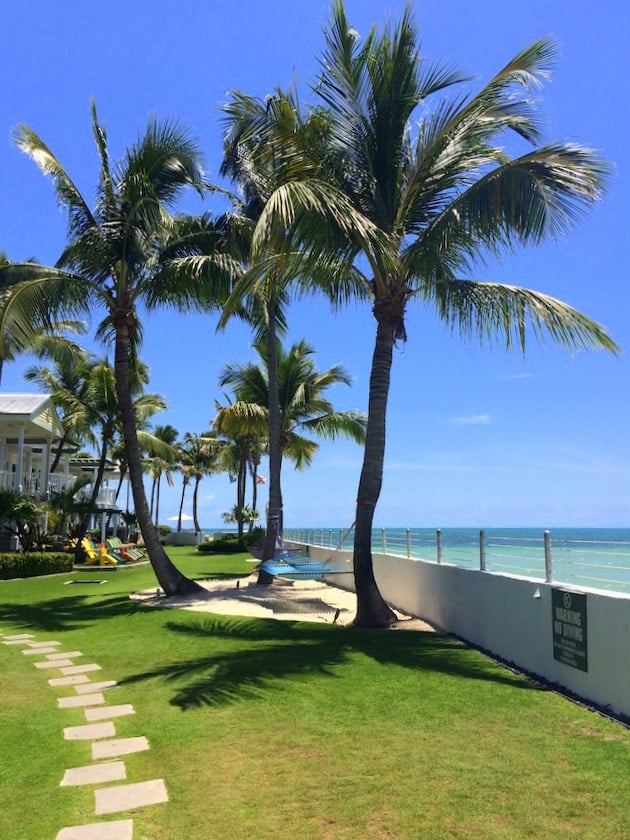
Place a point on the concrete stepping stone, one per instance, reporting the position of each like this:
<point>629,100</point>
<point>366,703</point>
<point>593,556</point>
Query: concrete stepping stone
<point>90,774</point>
<point>88,686</point>
<point>80,669</point>
<point>109,711</point>
<point>17,638</point>
<point>80,700</point>
<point>118,747</point>
<point>115,830</point>
<point>89,732</point>
<point>125,797</point>
<point>38,651</point>
<point>79,678</point>
<point>70,655</point>
<point>57,663</point>
<point>43,644</point>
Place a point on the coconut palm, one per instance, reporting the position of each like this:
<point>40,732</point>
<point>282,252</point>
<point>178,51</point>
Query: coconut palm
<point>113,262</point>
<point>435,185</point>
<point>199,454</point>
<point>271,152</point>
<point>440,182</point>
<point>303,407</point>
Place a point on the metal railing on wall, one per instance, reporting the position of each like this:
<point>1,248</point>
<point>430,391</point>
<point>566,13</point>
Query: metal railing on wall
<point>596,563</point>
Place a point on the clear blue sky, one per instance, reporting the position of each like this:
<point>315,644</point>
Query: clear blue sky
<point>476,437</point>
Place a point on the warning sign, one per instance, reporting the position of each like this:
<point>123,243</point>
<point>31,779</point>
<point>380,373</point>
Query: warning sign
<point>568,620</point>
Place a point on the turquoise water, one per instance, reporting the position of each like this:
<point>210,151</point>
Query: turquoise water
<point>593,557</point>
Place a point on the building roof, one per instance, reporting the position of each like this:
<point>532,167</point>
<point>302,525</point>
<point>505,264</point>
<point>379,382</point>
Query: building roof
<point>35,412</point>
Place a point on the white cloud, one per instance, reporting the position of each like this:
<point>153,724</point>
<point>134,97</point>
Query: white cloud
<point>471,420</point>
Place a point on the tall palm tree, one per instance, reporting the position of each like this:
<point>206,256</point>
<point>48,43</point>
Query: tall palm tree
<point>113,262</point>
<point>422,190</point>
<point>443,190</point>
<point>303,407</point>
<point>271,152</point>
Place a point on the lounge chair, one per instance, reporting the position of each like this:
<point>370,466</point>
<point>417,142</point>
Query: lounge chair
<point>129,552</point>
<point>97,554</point>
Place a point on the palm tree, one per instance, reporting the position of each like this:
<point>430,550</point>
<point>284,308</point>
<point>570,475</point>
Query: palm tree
<point>420,192</point>
<point>67,382</point>
<point>113,261</point>
<point>271,152</point>
<point>442,193</point>
<point>199,454</point>
<point>162,459</point>
<point>303,408</point>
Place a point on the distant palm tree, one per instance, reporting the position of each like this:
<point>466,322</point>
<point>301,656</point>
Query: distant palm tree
<point>303,407</point>
<point>162,463</point>
<point>113,261</point>
<point>199,454</point>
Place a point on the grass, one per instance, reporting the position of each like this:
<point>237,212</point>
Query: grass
<point>269,730</point>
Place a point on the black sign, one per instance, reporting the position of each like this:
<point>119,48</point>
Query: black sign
<point>568,621</point>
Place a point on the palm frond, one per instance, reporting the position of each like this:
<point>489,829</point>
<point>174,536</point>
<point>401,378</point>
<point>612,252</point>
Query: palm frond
<point>68,194</point>
<point>490,310</point>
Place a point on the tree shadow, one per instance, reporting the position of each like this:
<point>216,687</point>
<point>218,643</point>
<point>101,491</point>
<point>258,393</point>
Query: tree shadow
<point>66,613</point>
<point>268,652</point>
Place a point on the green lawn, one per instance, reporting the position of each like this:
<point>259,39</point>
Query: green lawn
<point>265,729</point>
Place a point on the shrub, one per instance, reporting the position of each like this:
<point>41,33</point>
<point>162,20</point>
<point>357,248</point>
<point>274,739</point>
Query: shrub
<point>223,545</point>
<point>33,564</point>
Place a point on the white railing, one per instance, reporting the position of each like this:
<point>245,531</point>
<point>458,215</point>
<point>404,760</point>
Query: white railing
<point>598,564</point>
<point>32,486</point>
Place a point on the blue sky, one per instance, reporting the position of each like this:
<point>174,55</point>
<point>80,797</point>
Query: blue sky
<point>476,437</point>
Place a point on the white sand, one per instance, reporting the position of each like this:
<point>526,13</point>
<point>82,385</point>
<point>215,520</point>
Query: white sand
<point>286,600</point>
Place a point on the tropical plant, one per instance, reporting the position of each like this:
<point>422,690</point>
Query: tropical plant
<point>45,339</point>
<point>199,454</point>
<point>443,193</point>
<point>162,457</point>
<point>423,189</point>
<point>303,407</point>
<point>270,151</point>
<point>113,261</point>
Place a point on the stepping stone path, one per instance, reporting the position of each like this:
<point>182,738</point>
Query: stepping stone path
<point>106,765</point>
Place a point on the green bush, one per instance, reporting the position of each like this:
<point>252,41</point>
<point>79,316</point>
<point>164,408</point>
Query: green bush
<point>34,564</point>
<point>223,545</point>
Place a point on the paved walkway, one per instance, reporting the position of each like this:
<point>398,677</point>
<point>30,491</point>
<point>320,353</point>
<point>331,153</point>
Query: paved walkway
<point>105,770</point>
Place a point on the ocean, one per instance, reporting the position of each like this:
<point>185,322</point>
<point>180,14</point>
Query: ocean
<point>591,557</point>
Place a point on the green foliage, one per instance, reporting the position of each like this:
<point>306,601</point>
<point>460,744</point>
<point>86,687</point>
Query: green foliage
<point>231,544</point>
<point>34,564</point>
<point>223,545</point>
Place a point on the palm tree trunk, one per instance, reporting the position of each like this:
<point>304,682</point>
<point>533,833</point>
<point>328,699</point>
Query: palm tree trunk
<point>274,511</point>
<point>172,581</point>
<point>372,610</point>
<point>194,503</point>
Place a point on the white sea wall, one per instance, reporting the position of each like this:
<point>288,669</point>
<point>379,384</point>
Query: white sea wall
<point>511,618</point>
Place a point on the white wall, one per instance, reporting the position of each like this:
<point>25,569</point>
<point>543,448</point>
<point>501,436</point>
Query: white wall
<point>511,618</point>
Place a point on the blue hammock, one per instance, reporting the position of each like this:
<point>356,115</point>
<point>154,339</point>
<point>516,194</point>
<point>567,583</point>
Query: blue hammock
<point>299,567</point>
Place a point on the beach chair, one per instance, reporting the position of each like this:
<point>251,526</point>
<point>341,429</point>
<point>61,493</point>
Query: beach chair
<point>129,552</point>
<point>97,554</point>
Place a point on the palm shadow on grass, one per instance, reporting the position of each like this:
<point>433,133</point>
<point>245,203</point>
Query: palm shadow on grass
<point>74,612</point>
<point>267,652</point>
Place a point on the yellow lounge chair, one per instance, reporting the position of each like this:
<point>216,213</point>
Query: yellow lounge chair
<point>97,555</point>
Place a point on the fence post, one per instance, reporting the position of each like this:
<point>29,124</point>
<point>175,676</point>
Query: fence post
<point>408,542</point>
<point>548,559</point>
<point>438,535</point>
<point>384,540</point>
<point>330,540</point>
<point>482,551</point>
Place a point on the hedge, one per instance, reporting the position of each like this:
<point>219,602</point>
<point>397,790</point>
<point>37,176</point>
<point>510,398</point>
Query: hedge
<point>33,564</point>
